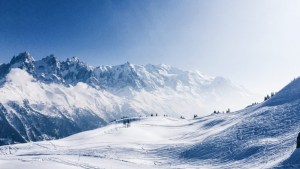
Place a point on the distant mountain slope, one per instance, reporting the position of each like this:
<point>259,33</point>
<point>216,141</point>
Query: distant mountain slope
<point>48,99</point>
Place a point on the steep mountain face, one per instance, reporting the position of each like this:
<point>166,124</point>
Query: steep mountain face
<point>48,98</point>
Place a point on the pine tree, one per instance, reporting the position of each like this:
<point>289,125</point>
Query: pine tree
<point>128,123</point>
<point>272,94</point>
<point>267,97</point>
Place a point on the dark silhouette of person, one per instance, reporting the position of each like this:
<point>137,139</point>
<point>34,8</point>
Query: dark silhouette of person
<point>298,141</point>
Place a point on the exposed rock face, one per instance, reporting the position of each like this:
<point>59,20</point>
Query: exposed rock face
<point>298,141</point>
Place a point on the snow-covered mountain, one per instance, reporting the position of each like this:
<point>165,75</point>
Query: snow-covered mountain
<point>49,98</point>
<point>260,136</point>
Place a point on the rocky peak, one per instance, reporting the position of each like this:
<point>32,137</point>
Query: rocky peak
<point>23,61</point>
<point>73,60</point>
<point>22,57</point>
<point>51,59</point>
<point>49,65</point>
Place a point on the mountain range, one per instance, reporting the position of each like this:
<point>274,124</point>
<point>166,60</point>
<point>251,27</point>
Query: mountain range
<point>49,99</point>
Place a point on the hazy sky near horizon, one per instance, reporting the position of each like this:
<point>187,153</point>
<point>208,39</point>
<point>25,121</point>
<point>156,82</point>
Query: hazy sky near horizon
<point>255,43</point>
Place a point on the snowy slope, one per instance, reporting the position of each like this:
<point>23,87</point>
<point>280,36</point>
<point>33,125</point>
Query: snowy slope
<point>261,136</point>
<point>48,99</point>
<point>247,139</point>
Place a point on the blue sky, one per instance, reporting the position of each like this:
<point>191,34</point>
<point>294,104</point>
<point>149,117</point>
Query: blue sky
<point>255,43</point>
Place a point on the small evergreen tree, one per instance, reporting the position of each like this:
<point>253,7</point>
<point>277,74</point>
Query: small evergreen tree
<point>128,123</point>
<point>267,97</point>
<point>272,94</point>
